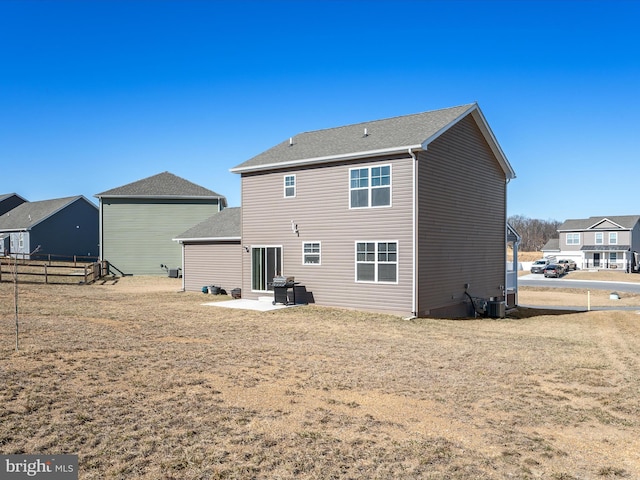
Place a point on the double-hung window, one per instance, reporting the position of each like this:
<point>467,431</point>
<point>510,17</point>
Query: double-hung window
<point>311,253</point>
<point>613,238</point>
<point>370,187</point>
<point>377,262</point>
<point>289,185</point>
<point>573,239</point>
<point>599,238</point>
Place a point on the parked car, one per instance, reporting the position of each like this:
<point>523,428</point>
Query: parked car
<point>568,264</point>
<point>554,270</point>
<point>538,265</point>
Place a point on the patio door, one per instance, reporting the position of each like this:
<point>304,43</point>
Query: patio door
<point>596,259</point>
<point>266,263</point>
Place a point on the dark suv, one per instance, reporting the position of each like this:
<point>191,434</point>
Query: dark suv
<point>553,270</point>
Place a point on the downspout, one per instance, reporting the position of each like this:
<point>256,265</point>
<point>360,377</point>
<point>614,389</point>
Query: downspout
<point>183,270</point>
<point>414,214</point>
<point>506,235</point>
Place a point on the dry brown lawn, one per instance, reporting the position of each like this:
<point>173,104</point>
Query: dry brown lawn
<point>144,382</point>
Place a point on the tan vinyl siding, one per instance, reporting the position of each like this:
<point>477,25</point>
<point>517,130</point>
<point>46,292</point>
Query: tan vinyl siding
<point>137,235</point>
<point>462,218</point>
<point>574,247</point>
<point>216,263</point>
<point>589,238</point>
<point>321,211</point>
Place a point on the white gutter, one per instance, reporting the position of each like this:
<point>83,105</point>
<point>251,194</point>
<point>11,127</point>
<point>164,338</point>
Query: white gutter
<point>328,158</point>
<point>203,239</point>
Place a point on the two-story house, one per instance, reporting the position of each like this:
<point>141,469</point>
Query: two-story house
<point>598,242</point>
<point>139,220</point>
<point>404,215</point>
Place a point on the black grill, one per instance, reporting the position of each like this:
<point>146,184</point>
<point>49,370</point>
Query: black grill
<point>284,290</point>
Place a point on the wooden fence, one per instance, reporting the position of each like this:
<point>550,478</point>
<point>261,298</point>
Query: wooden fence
<point>47,271</point>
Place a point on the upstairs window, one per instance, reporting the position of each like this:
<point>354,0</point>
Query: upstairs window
<point>599,238</point>
<point>289,185</point>
<point>573,239</point>
<point>613,238</point>
<point>370,187</point>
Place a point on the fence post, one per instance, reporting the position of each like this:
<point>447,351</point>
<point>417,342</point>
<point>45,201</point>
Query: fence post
<point>46,278</point>
<point>85,275</point>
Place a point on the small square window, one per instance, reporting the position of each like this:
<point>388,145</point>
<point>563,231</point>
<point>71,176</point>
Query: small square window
<point>311,253</point>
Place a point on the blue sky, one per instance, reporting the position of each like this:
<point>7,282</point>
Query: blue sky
<point>94,95</point>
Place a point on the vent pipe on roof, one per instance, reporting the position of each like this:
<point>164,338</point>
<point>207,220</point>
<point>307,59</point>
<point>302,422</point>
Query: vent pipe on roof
<point>290,141</point>
<point>366,133</point>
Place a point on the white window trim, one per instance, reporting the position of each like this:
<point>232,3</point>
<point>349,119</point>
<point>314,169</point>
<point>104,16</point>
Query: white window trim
<point>369,188</point>
<point>285,186</point>
<point>572,243</point>
<point>613,238</point>
<point>251,247</point>
<point>375,262</point>
<point>601,238</point>
<point>319,254</point>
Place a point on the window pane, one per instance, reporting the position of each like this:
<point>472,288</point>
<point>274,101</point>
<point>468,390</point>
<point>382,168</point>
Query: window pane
<point>313,259</point>
<point>360,178</point>
<point>290,191</point>
<point>366,272</point>
<point>387,272</point>
<point>359,198</point>
<point>380,196</point>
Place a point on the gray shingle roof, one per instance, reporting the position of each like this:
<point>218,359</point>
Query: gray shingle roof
<point>164,185</point>
<point>390,135</point>
<point>4,196</point>
<point>222,225</point>
<point>625,221</point>
<point>553,244</point>
<point>29,214</point>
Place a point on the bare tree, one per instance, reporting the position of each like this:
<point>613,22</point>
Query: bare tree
<point>535,233</point>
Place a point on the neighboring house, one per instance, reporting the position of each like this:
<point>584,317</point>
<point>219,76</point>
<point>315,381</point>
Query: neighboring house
<point>598,242</point>
<point>405,215</point>
<point>8,201</point>
<point>212,252</point>
<point>139,220</point>
<point>64,227</point>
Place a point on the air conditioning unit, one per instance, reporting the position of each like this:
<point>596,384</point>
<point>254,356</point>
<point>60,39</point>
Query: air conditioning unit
<point>495,309</point>
<point>175,273</point>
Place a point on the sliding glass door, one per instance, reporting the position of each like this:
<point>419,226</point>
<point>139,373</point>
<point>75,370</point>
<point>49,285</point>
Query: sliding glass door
<point>266,263</point>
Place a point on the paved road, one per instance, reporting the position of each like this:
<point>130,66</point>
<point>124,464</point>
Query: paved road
<point>539,280</point>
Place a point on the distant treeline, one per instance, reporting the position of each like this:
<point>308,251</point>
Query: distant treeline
<point>534,232</point>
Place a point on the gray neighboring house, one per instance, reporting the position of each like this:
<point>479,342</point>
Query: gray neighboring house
<point>139,220</point>
<point>611,242</point>
<point>8,201</point>
<point>212,252</point>
<point>405,215</point>
<point>64,227</point>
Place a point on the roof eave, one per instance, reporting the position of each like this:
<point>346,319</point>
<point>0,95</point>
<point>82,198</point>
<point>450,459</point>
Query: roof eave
<point>327,159</point>
<point>206,239</point>
<point>165,197</point>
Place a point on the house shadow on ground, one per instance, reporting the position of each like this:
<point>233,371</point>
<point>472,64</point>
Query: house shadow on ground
<point>521,312</point>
